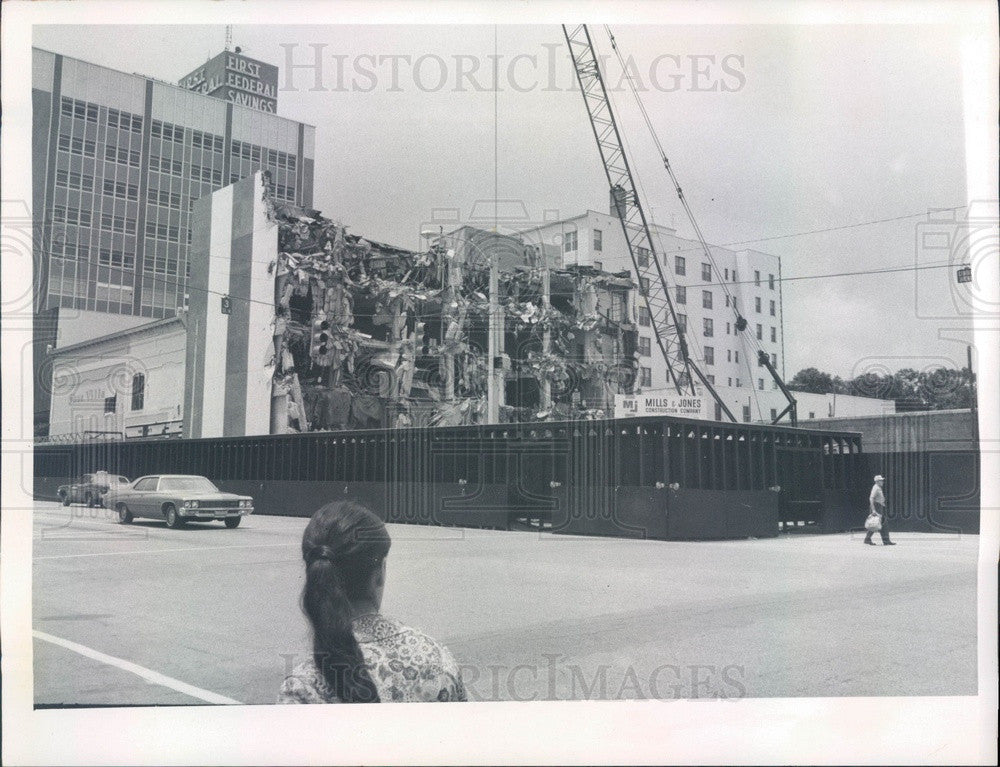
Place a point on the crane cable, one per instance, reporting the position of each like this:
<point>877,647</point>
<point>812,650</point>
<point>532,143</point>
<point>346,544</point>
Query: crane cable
<point>680,193</point>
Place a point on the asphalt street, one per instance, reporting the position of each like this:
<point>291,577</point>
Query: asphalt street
<point>142,615</point>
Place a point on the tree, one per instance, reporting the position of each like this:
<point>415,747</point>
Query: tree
<point>812,380</point>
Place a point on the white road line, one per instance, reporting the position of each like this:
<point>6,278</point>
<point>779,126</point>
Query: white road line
<point>163,551</point>
<point>150,676</point>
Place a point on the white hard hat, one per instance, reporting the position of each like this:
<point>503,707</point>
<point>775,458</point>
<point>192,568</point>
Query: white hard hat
<point>879,478</point>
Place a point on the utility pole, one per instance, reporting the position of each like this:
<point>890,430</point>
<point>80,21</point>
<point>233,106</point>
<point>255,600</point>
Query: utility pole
<point>494,349</point>
<point>546,398</point>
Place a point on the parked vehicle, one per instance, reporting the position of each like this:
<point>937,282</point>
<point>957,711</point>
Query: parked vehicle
<point>178,498</point>
<point>91,488</point>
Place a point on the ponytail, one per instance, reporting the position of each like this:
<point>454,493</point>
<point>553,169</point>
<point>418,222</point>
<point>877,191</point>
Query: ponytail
<point>342,545</point>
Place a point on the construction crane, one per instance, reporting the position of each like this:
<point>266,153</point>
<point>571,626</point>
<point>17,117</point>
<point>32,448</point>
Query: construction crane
<point>654,290</point>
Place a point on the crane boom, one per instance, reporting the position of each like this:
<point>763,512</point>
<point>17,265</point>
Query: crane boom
<point>654,290</point>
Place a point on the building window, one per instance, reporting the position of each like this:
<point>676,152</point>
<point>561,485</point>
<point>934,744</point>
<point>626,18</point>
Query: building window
<point>727,277</point>
<point>760,384</point>
<point>569,242</point>
<point>599,266</point>
<point>682,294</point>
<point>734,277</point>
<point>774,335</point>
<point>707,327</point>
<point>680,265</point>
<point>770,281</point>
<point>772,309</point>
<point>812,415</point>
<point>774,360</point>
<point>709,355</point>
<point>729,382</point>
<point>706,272</point>
<point>727,329</point>
<point>760,332</point>
<point>774,413</point>
<point>644,285</point>
<point>738,384</point>
<point>682,322</point>
<point>746,410</point>
<point>756,304</point>
<point>711,378</point>
<point>598,239</point>
<point>646,377</point>
<point>644,348</point>
<point>138,391</point>
<point>644,316</point>
<point>706,299</point>
<point>111,404</point>
<point>642,255</point>
<point>756,278</point>
<point>736,359</point>
<point>729,355</point>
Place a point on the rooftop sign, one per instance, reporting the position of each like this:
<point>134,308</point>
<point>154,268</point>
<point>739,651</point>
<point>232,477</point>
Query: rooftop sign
<point>233,77</point>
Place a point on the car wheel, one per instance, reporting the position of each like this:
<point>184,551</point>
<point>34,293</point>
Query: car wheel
<point>124,515</point>
<point>65,499</point>
<point>232,522</point>
<point>88,500</point>
<point>174,520</point>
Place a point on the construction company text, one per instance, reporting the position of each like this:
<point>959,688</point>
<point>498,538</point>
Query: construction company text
<point>688,406</point>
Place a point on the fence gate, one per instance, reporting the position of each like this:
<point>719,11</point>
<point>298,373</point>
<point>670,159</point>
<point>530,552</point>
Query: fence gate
<point>800,476</point>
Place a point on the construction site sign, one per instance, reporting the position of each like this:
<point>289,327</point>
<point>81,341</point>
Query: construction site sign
<point>663,403</point>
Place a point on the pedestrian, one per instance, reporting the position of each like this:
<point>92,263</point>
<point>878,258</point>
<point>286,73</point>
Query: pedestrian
<point>876,505</point>
<point>360,655</point>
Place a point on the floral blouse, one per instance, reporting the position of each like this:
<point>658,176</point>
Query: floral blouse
<point>405,665</point>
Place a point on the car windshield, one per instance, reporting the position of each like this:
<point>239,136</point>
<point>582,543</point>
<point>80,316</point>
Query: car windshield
<point>120,480</point>
<point>187,484</point>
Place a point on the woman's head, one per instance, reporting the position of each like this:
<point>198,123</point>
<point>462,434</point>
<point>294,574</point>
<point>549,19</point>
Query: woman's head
<point>344,547</point>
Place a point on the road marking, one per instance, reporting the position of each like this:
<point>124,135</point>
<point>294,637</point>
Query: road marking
<point>162,551</point>
<point>150,676</point>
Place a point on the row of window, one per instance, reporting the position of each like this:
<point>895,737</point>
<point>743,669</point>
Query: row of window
<point>76,216</point>
<point>121,190</point>
<point>117,224</point>
<point>118,258</point>
<point>167,131</point>
<point>165,198</point>
<point>83,182</point>
<point>160,263</point>
<point>207,141</point>
<point>77,145</point>
<point>259,154</point>
<point>208,175</point>
<point>123,156</point>
<point>124,120</point>
<point>165,165</point>
<point>73,108</point>
<point>646,381</point>
<point>162,231</point>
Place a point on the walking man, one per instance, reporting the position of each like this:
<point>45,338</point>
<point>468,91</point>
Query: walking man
<point>876,505</point>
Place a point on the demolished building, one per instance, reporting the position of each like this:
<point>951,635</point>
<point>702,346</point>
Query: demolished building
<point>362,334</point>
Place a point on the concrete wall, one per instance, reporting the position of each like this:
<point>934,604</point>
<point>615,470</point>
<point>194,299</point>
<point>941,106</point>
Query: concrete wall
<point>83,376</point>
<point>931,464</point>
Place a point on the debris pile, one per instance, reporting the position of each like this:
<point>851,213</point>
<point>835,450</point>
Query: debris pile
<point>367,335</point>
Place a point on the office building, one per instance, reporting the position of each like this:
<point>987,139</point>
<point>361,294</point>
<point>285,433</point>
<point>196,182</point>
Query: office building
<point>118,161</point>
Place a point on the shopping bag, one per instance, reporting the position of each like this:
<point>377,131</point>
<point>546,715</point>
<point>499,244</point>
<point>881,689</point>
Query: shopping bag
<point>873,523</point>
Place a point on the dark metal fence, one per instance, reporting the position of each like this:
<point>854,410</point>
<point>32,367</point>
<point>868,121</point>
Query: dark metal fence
<point>642,477</point>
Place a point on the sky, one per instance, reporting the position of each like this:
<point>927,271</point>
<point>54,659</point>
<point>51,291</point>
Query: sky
<point>776,133</point>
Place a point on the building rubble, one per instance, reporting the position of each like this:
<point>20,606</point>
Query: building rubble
<point>367,335</point>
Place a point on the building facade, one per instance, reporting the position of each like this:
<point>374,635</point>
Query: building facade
<point>703,293</point>
<point>123,385</point>
<point>118,161</point>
